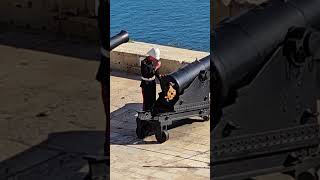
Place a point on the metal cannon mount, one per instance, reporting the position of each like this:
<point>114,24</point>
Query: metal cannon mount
<point>192,86</point>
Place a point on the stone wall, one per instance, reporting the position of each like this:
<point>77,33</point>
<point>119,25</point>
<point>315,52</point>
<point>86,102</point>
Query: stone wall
<point>126,57</point>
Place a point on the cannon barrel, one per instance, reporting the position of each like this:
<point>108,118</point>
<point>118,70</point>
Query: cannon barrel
<point>243,44</point>
<point>119,39</point>
<point>183,77</point>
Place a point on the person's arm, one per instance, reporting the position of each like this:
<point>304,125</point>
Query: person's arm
<point>157,65</point>
<point>158,75</point>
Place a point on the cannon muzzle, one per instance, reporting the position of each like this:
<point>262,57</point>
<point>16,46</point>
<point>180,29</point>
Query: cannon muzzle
<point>184,76</point>
<point>119,39</point>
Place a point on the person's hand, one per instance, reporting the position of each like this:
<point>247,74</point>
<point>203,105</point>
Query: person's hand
<point>157,65</point>
<point>162,75</point>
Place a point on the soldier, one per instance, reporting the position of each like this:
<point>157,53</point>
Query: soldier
<point>102,74</point>
<point>149,71</point>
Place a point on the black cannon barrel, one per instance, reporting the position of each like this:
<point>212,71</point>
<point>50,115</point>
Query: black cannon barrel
<point>118,39</point>
<point>243,44</point>
<point>183,77</point>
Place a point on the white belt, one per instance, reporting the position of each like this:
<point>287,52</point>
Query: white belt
<point>148,79</point>
<point>104,52</point>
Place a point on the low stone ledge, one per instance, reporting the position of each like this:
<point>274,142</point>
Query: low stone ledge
<point>126,57</point>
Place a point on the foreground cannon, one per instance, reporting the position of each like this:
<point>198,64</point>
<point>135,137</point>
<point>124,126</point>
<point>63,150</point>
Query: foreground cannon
<point>265,86</point>
<point>185,93</point>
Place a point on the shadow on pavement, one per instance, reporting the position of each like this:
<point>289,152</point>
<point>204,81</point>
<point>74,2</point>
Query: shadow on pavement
<point>60,157</point>
<point>123,126</point>
<point>125,75</point>
<point>49,42</point>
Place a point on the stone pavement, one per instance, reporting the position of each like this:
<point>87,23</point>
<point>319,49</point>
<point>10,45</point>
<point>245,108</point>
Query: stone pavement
<point>51,114</point>
<point>184,156</point>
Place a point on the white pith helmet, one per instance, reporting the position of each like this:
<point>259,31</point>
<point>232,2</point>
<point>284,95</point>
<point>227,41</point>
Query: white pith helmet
<point>154,52</point>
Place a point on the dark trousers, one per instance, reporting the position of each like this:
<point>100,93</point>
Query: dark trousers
<point>148,94</point>
<point>105,95</point>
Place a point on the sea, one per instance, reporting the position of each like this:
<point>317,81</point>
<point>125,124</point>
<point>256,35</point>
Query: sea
<point>178,23</point>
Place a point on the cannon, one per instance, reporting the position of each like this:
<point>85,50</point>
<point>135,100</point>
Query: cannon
<point>264,92</point>
<point>117,40</point>
<point>184,93</point>
<point>99,165</point>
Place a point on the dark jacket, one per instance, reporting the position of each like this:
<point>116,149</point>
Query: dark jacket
<point>103,25</point>
<point>148,71</point>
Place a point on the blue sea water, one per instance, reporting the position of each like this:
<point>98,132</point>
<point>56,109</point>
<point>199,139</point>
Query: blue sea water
<point>179,23</point>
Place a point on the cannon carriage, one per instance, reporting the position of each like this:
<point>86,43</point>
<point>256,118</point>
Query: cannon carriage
<point>185,94</point>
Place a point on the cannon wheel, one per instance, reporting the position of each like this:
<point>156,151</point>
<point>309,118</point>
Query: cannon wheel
<point>141,129</point>
<point>162,136</point>
<point>206,118</point>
